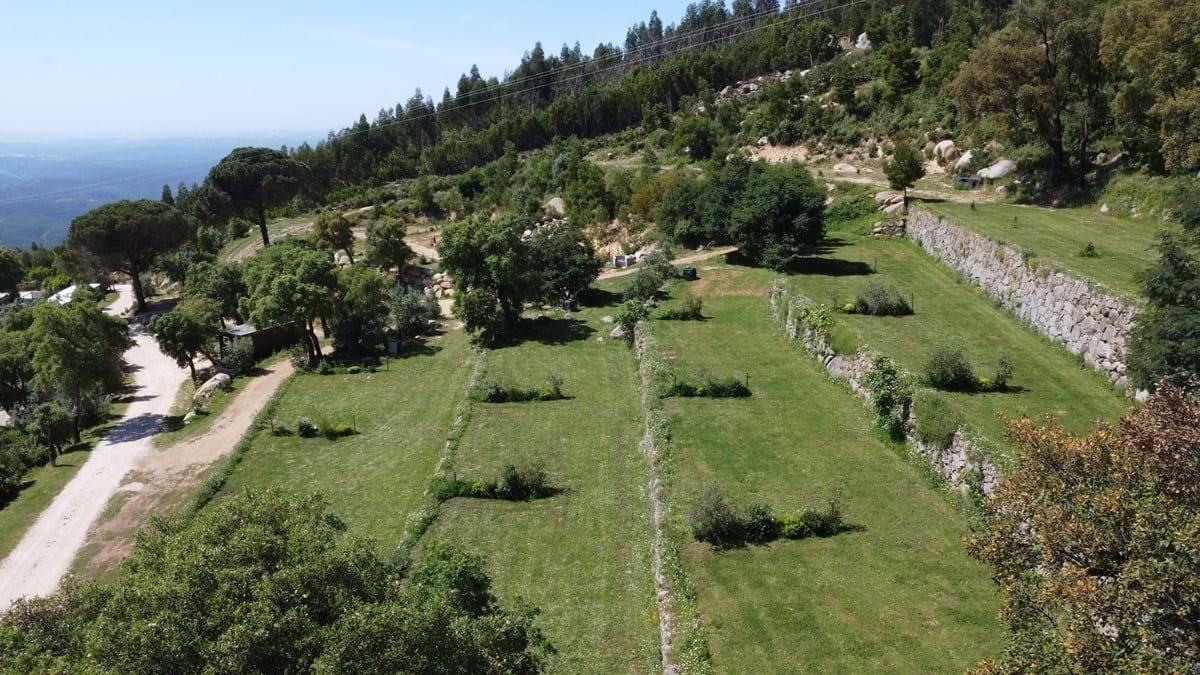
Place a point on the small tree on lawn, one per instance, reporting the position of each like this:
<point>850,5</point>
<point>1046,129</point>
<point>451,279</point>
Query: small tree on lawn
<point>411,312</point>
<point>290,284</point>
<point>386,247</point>
<point>906,168</point>
<point>188,331</point>
<point>333,231</point>
<point>488,256</point>
<point>1095,544</point>
<point>566,260</point>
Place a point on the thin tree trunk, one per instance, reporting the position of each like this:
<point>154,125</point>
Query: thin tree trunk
<point>192,367</point>
<point>262,225</point>
<point>350,255</point>
<point>76,406</point>
<point>139,293</point>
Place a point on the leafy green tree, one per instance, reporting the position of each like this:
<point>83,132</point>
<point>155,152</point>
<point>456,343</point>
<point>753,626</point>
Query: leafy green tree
<point>12,270</point>
<point>333,231</point>
<point>50,425</point>
<point>488,255</point>
<point>16,369</point>
<point>127,236</point>
<point>1152,42</point>
<point>1165,343</point>
<point>359,321</point>
<point>217,281</point>
<point>481,314</point>
<point>697,137</point>
<point>629,314</point>
<point>256,179</point>
<point>386,246</point>
<point>188,331</point>
<point>566,262</point>
<point>270,583</point>
<point>1093,541</point>
<point>411,311</point>
<point>77,352</point>
<point>290,284</point>
<point>906,168</point>
<point>1041,75</point>
<point>780,215</point>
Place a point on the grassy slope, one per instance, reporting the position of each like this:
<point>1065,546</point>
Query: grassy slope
<point>1125,245</point>
<point>582,556</point>
<point>949,310</point>
<point>899,596</point>
<point>375,479</point>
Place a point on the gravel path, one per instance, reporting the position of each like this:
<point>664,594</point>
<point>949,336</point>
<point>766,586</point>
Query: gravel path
<point>36,566</point>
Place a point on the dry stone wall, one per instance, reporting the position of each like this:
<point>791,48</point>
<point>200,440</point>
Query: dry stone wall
<point>963,464</point>
<point>1087,321</point>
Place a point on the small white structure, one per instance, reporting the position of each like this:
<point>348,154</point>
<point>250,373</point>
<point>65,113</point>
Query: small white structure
<point>67,294</point>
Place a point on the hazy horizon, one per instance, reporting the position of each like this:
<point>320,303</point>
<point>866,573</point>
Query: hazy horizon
<point>131,71</point>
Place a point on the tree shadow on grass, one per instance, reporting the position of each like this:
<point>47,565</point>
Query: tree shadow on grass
<point>547,331</point>
<point>599,298</point>
<point>842,529</point>
<point>830,267</point>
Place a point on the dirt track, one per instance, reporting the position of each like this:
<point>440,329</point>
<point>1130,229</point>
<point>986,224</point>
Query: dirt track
<point>682,260</point>
<point>36,566</point>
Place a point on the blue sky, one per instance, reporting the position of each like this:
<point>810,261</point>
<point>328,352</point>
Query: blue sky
<point>119,68</point>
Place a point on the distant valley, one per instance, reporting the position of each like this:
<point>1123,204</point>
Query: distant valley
<point>44,185</point>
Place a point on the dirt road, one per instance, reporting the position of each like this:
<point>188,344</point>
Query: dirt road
<point>682,260</point>
<point>36,566</point>
<point>171,475</point>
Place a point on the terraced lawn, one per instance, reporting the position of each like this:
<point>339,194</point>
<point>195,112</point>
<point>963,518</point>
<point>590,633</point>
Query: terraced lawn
<point>1048,379</point>
<point>1126,246</point>
<point>375,479</point>
<point>581,556</point>
<point>898,596</point>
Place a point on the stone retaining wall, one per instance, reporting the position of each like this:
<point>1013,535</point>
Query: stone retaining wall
<point>958,464</point>
<point>1087,321</point>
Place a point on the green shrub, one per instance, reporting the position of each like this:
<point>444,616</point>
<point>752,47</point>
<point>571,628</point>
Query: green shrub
<point>12,471</point>
<point>879,299</point>
<point>628,315</point>
<point>691,310</point>
<point>306,428</point>
<point>760,524</point>
<point>494,392</point>
<point>354,370</point>
<point>239,357</point>
<point>891,395</point>
<point>643,285</point>
<point>1089,251</point>
<point>849,208</point>
<point>1004,371</point>
<point>711,387</point>
<point>715,520</point>
<point>326,368</point>
<point>935,421</point>
<point>513,484</point>
<point>949,370</point>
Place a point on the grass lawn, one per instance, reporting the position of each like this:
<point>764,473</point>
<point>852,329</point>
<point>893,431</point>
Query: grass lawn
<point>1048,380</point>
<point>582,556</point>
<point>372,480</point>
<point>901,595</point>
<point>1126,246</point>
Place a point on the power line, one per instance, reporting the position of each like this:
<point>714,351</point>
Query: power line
<point>624,63</point>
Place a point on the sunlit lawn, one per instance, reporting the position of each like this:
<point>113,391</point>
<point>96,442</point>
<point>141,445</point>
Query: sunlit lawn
<point>901,595</point>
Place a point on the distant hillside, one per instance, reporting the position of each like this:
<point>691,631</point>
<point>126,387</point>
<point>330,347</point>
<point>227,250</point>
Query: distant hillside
<point>44,185</point>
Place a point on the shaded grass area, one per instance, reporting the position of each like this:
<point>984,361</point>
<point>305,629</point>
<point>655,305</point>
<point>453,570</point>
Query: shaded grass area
<point>899,595</point>
<point>373,479</point>
<point>1126,246</point>
<point>581,556</point>
<point>1047,380</point>
<point>174,430</point>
